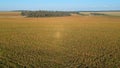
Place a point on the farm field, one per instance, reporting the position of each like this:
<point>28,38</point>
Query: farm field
<point>10,14</point>
<point>107,13</point>
<point>59,42</point>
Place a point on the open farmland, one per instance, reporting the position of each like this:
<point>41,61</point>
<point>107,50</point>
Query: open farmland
<point>10,14</point>
<point>60,42</point>
<point>110,13</point>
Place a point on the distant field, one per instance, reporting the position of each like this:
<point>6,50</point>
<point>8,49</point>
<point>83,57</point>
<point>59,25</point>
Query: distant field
<point>59,42</point>
<point>108,13</point>
<point>10,14</point>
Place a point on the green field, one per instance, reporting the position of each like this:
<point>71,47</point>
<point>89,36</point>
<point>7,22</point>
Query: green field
<point>60,42</point>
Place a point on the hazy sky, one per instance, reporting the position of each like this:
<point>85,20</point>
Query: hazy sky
<point>60,5</point>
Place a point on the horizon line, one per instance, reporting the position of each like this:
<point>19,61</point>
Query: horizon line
<point>60,10</point>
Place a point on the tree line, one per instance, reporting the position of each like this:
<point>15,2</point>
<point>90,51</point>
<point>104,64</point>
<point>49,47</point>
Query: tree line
<point>46,13</point>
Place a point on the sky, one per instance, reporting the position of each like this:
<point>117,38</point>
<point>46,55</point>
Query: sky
<point>60,5</point>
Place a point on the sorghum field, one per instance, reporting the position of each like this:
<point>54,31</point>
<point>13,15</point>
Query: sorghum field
<point>60,42</point>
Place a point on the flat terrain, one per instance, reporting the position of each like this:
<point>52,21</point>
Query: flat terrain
<point>10,14</point>
<point>60,42</point>
<point>107,13</point>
